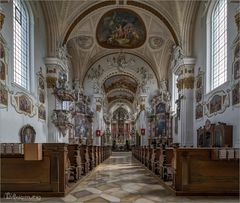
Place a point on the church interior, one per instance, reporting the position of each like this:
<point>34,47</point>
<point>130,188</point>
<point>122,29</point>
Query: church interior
<point>120,101</point>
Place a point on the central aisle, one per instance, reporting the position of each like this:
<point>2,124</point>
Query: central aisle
<point>121,178</point>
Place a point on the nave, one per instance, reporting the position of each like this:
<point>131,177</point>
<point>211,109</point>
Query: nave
<point>81,80</point>
<point>121,178</point>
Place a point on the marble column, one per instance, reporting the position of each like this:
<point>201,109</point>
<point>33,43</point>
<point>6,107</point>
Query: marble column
<point>185,85</point>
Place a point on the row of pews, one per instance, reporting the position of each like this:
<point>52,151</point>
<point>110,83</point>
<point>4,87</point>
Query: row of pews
<point>56,173</point>
<point>193,171</point>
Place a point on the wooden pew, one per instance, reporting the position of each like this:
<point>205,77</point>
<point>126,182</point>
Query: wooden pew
<point>75,161</point>
<point>91,157</point>
<point>100,154</point>
<point>149,158</point>
<point>95,155</point>
<point>155,161</point>
<point>142,154</point>
<point>84,159</point>
<point>165,163</point>
<point>46,177</point>
<point>198,172</point>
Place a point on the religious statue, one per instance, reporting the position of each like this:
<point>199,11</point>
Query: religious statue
<point>177,57</point>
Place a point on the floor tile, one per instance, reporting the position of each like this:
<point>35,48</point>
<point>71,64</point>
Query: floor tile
<point>121,178</point>
<point>97,200</point>
<point>80,194</point>
<point>110,198</point>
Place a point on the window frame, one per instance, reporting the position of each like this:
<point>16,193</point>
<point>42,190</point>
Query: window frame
<point>209,48</point>
<point>29,59</point>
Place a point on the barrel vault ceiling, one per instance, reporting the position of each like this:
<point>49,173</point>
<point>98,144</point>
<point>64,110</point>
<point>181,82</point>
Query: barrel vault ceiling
<point>60,16</point>
<point>74,24</point>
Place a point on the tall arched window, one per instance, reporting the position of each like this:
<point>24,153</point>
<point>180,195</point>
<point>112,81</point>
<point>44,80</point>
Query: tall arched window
<point>21,44</point>
<point>219,44</point>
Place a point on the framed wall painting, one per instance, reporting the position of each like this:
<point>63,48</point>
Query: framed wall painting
<point>41,87</point>
<point>199,94</point>
<point>236,69</point>
<point>161,108</point>
<point>42,112</point>
<point>41,84</point>
<point>23,104</point>
<point>236,94</point>
<point>3,96</point>
<point>2,51</point>
<point>217,103</point>
<point>27,134</point>
<point>41,96</point>
<point>3,71</point>
<point>3,60</point>
<point>160,125</point>
<point>199,111</point>
<point>199,81</point>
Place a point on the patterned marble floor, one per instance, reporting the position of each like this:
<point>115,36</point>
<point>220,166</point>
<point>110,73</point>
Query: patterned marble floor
<point>121,178</point>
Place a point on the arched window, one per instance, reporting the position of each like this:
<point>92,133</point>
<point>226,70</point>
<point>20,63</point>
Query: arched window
<point>219,44</point>
<point>21,49</point>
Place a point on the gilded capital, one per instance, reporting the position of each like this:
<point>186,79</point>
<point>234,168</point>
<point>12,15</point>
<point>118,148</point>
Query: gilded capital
<point>186,83</point>
<point>51,82</point>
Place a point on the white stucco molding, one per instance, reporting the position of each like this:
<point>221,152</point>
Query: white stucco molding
<point>58,63</point>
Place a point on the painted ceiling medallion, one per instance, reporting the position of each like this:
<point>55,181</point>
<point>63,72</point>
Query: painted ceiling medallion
<point>156,42</point>
<point>84,42</point>
<point>121,28</point>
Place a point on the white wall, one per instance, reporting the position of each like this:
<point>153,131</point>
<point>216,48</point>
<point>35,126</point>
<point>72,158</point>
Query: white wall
<point>232,114</point>
<point>11,121</point>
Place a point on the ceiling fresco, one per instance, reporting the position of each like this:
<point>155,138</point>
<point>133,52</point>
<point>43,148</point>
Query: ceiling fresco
<point>120,95</point>
<point>121,28</point>
<point>120,81</point>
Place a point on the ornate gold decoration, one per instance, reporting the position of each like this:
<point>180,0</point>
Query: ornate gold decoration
<point>62,120</point>
<point>186,83</point>
<point>51,82</point>
<point>3,96</point>
<point>142,107</point>
<point>237,20</point>
<point>2,16</point>
<point>98,107</point>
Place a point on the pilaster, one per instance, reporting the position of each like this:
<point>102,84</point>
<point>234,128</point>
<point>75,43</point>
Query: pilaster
<point>185,85</point>
<point>98,118</point>
<point>54,67</point>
